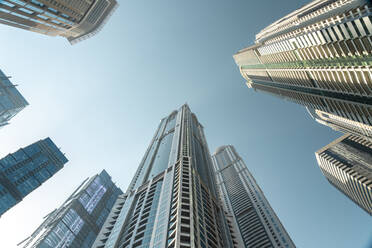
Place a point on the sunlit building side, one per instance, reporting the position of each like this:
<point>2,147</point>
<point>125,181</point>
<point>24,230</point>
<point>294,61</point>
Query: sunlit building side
<point>76,223</point>
<point>256,223</point>
<point>172,200</point>
<point>342,124</point>
<point>318,56</point>
<point>75,20</point>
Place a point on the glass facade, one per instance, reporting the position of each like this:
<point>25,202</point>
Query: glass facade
<point>254,220</point>
<point>171,201</point>
<point>74,20</point>
<point>11,101</point>
<point>26,169</point>
<point>77,222</point>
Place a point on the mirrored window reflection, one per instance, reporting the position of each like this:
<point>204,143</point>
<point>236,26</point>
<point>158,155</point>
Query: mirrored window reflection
<point>93,195</point>
<point>162,156</point>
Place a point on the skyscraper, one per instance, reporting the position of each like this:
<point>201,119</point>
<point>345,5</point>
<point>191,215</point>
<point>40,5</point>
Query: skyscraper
<point>341,124</point>
<point>11,101</point>
<point>26,169</point>
<point>172,199</point>
<point>243,200</point>
<point>318,56</point>
<point>347,165</point>
<point>73,19</point>
<point>77,221</point>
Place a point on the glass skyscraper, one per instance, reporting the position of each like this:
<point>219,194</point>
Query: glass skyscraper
<point>76,223</point>
<point>172,200</point>
<point>318,56</point>
<point>26,169</point>
<point>347,165</point>
<point>73,19</point>
<point>256,223</point>
<point>11,101</point>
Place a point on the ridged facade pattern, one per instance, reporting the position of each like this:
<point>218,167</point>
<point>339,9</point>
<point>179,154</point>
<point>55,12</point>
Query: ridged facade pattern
<point>341,124</point>
<point>171,201</point>
<point>318,56</point>
<point>257,224</point>
<point>347,165</point>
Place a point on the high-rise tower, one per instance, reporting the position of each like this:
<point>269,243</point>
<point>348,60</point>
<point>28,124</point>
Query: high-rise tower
<point>318,56</point>
<point>257,224</point>
<point>11,101</point>
<point>26,169</point>
<point>341,124</point>
<point>172,199</point>
<point>347,165</point>
<point>73,19</point>
<point>76,223</point>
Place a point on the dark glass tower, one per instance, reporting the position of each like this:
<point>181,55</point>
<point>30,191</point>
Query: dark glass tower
<point>11,101</point>
<point>250,213</point>
<point>347,165</point>
<point>77,222</point>
<point>26,169</point>
<point>172,199</point>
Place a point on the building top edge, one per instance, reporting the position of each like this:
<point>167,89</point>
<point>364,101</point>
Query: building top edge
<point>336,141</point>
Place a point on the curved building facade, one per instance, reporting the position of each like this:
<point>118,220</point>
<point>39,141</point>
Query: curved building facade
<point>318,56</point>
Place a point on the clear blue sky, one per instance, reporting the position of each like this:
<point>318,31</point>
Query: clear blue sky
<point>101,101</point>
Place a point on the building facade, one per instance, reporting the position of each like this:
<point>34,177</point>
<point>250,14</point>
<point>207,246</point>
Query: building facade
<point>73,19</point>
<point>257,224</point>
<point>11,101</point>
<point>26,169</point>
<point>341,124</point>
<point>318,56</point>
<point>76,223</point>
<point>347,165</point>
<point>172,200</point>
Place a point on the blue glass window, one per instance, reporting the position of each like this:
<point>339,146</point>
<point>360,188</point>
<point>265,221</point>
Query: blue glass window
<point>26,11</point>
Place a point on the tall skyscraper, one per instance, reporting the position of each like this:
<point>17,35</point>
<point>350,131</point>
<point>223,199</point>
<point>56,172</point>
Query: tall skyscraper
<point>73,19</point>
<point>76,223</point>
<point>172,199</point>
<point>318,56</point>
<point>11,101</point>
<point>243,200</point>
<point>26,169</point>
<point>347,165</point>
<point>341,124</point>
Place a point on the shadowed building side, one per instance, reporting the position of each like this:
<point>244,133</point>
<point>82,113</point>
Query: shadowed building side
<point>25,170</point>
<point>347,165</point>
<point>11,101</point>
